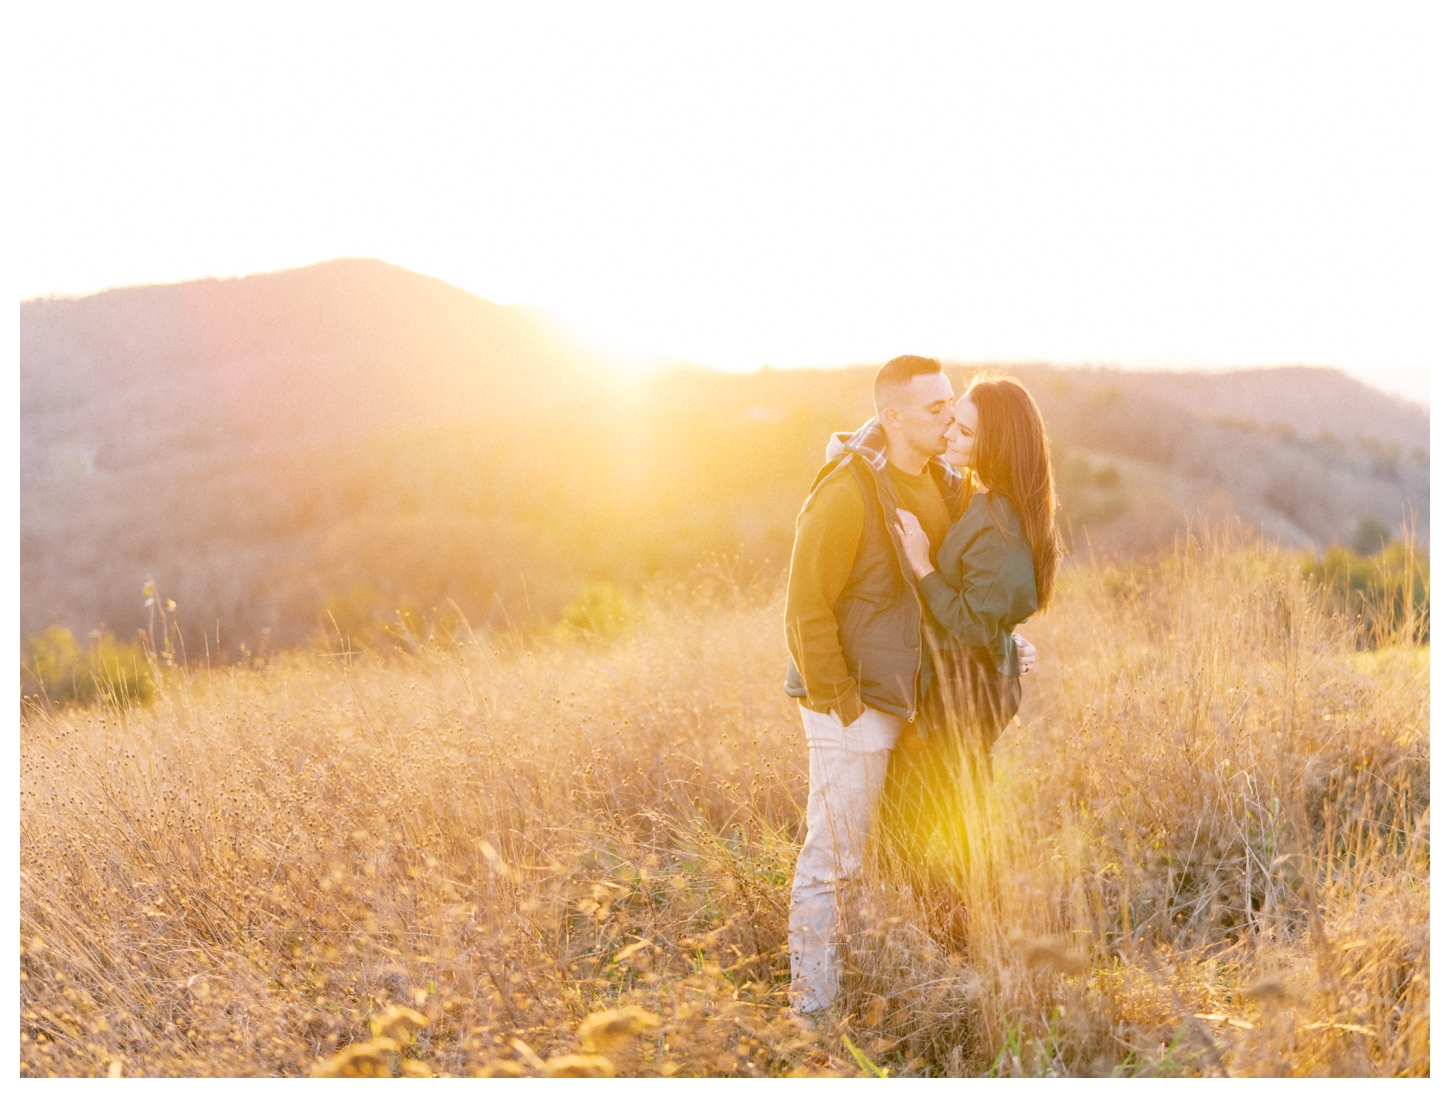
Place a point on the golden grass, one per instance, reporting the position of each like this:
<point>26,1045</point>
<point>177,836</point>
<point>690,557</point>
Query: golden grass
<point>1206,852</point>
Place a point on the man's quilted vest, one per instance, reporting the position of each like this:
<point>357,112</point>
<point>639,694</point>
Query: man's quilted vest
<point>879,611</point>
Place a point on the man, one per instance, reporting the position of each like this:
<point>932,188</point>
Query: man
<point>853,624</point>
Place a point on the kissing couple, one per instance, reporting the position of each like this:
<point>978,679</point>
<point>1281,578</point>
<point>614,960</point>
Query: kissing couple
<point>926,538</point>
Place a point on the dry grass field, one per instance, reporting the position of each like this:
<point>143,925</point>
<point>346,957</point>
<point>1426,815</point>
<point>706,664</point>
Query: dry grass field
<point>1206,852</point>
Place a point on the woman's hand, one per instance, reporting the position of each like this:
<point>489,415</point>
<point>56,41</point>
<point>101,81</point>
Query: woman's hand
<point>1026,653</point>
<point>914,541</point>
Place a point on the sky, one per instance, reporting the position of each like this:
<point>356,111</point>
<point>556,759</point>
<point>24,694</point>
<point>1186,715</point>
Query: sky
<point>1209,185</point>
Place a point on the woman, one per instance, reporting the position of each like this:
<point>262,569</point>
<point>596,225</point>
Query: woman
<point>996,566</point>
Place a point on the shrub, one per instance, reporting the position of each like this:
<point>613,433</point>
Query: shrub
<point>57,670</point>
<point>1387,594</point>
<point>600,609</point>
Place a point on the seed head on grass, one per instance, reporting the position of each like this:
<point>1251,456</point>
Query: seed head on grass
<point>606,1030</point>
<point>364,1060</point>
<point>579,1066</point>
<point>399,1023</point>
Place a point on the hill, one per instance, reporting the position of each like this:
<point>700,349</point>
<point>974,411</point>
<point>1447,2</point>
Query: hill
<point>1261,445</point>
<point>186,430</point>
<point>131,376</point>
<point>358,446</point>
<point>1311,401</point>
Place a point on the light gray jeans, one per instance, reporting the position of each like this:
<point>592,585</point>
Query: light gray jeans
<point>848,770</point>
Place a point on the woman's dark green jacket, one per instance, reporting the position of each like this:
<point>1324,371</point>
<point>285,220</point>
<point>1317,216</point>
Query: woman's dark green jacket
<point>984,583</point>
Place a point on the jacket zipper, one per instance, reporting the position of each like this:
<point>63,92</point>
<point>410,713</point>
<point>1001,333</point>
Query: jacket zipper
<point>920,608</point>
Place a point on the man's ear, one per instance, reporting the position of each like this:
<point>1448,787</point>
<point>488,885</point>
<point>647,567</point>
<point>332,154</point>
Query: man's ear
<point>890,417</point>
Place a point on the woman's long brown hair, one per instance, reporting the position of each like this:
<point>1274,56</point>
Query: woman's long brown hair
<point>1011,458</point>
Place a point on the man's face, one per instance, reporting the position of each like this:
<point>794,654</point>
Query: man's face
<point>921,412</point>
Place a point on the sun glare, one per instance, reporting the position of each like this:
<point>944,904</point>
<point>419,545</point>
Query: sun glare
<point>622,350</point>
<point>1133,184</point>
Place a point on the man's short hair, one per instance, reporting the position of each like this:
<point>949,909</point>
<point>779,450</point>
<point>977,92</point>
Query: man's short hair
<point>898,372</point>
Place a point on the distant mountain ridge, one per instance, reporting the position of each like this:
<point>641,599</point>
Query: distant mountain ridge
<point>352,431</point>
<point>1310,399</point>
<point>357,344</point>
<point>322,351</point>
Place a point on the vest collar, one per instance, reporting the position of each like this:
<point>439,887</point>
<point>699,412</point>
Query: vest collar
<point>869,442</point>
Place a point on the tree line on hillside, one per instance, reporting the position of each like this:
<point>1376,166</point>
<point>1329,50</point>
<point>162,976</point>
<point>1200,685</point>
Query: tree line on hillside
<point>391,538</point>
<point>505,521</point>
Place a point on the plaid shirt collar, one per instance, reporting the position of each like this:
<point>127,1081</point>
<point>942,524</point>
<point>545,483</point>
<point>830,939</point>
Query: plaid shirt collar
<point>869,442</point>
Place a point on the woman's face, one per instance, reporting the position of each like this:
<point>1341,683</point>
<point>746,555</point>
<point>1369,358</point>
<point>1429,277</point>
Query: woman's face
<point>962,435</point>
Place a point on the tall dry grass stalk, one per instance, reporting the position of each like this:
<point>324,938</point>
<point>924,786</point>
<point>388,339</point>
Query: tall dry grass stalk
<point>1205,851</point>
